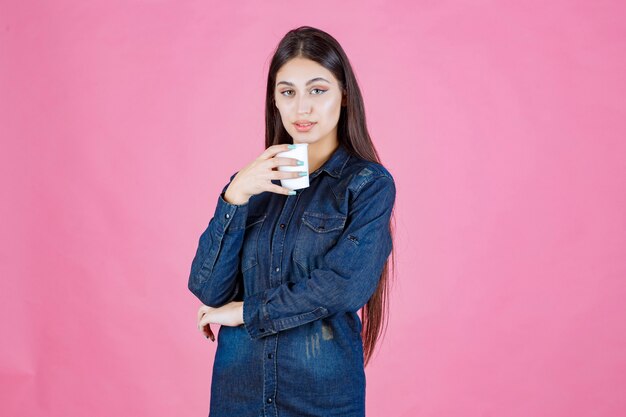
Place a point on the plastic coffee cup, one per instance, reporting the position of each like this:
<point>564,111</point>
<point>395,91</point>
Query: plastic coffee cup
<point>301,152</point>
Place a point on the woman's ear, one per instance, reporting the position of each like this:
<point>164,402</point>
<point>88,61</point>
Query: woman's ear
<point>344,98</point>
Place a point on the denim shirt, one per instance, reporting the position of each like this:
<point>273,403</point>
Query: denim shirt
<point>303,265</point>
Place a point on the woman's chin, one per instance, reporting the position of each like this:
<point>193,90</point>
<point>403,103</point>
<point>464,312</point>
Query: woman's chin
<point>300,139</point>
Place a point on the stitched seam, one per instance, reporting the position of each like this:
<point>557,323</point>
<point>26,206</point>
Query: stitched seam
<point>372,178</point>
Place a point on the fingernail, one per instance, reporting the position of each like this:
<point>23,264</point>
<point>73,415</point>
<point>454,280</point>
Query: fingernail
<point>300,162</point>
<point>302,174</point>
<point>292,146</point>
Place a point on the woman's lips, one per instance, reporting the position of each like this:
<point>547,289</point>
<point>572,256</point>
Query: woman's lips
<point>304,127</point>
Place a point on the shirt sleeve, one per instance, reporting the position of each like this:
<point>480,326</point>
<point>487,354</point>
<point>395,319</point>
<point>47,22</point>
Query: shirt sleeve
<point>350,273</point>
<point>215,276</point>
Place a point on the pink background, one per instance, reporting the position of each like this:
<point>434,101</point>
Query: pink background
<point>503,124</point>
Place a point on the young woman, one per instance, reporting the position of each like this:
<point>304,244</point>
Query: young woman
<point>285,273</point>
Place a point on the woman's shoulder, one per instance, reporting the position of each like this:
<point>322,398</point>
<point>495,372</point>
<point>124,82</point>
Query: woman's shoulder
<point>359,171</point>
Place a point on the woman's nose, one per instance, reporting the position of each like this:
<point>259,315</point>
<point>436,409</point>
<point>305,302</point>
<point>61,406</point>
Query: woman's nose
<point>304,106</point>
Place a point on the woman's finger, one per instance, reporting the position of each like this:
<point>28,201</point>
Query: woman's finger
<point>205,327</point>
<point>273,150</point>
<point>278,189</point>
<point>283,161</point>
<point>281,175</point>
<point>201,312</point>
<point>208,332</point>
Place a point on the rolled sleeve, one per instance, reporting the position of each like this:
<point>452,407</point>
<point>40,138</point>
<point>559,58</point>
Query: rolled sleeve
<point>349,274</point>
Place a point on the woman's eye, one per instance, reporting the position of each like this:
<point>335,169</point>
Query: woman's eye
<point>291,91</point>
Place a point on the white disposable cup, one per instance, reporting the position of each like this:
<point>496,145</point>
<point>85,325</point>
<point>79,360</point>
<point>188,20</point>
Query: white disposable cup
<point>301,152</point>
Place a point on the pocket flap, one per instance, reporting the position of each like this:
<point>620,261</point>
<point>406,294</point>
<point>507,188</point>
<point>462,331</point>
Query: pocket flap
<point>323,223</point>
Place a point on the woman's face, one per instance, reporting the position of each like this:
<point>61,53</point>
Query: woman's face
<point>306,91</point>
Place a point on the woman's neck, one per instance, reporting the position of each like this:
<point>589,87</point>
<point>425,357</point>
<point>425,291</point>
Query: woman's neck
<point>319,153</point>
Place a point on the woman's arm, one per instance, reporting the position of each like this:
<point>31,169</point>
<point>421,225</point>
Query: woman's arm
<point>350,272</point>
<point>215,273</point>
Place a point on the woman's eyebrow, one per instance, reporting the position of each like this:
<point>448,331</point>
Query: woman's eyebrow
<point>307,83</point>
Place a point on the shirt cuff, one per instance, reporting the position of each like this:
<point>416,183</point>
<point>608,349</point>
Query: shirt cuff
<point>231,217</point>
<point>255,317</point>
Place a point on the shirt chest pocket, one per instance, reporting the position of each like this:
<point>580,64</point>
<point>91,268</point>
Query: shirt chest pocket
<point>250,248</point>
<point>317,234</point>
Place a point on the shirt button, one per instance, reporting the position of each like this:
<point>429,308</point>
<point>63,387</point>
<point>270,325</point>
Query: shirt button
<point>277,269</point>
<point>227,216</point>
<point>269,400</point>
<point>282,225</point>
<point>270,355</point>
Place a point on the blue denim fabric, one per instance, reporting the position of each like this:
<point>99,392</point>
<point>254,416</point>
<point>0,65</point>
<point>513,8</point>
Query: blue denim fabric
<point>303,265</point>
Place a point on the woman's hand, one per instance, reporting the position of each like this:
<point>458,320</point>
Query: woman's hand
<point>256,177</point>
<point>230,314</point>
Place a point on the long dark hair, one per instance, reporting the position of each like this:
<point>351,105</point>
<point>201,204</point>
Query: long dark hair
<point>319,46</point>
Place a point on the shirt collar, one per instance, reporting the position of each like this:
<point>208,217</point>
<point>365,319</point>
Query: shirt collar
<point>333,165</point>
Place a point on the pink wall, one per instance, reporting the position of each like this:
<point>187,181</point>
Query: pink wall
<point>502,122</point>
